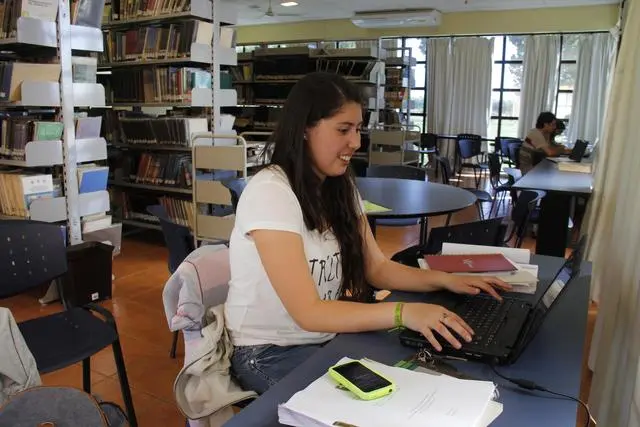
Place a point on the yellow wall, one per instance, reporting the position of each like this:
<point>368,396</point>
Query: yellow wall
<point>564,19</point>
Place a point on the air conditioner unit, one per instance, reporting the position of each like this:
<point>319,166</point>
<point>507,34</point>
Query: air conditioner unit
<point>397,18</point>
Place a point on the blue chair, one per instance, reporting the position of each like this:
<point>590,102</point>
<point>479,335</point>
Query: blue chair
<point>400,172</point>
<point>469,148</point>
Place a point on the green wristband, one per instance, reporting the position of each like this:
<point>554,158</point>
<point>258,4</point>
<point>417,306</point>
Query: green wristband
<point>397,318</point>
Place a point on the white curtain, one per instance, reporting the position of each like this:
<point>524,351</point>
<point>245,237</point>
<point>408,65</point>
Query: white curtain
<point>540,79</point>
<point>595,56</point>
<point>459,82</point>
<point>614,233</point>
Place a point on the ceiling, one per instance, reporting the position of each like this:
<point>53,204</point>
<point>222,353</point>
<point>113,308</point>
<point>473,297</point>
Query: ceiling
<point>252,12</point>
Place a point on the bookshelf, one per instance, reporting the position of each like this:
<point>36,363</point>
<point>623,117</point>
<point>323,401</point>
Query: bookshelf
<point>399,71</point>
<point>40,157</point>
<point>163,68</point>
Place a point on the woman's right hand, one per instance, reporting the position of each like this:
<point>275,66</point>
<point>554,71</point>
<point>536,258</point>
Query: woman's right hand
<point>429,319</point>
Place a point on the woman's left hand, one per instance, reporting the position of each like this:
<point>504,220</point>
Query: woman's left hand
<point>473,285</point>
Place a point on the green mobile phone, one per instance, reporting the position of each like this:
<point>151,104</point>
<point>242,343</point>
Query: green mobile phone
<point>361,380</point>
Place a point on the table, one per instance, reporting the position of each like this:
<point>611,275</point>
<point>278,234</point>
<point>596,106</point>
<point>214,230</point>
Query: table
<point>408,198</point>
<point>555,207</point>
<point>553,359</point>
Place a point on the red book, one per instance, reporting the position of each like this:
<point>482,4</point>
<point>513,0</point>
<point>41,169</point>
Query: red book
<point>476,263</point>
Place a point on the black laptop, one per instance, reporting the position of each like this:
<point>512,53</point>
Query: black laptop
<point>502,329</point>
<point>578,151</point>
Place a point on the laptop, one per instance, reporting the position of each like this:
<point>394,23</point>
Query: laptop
<point>577,153</point>
<point>502,329</point>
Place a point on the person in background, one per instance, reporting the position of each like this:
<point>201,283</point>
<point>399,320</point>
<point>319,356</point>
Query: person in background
<point>539,143</point>
<point>302,256</point>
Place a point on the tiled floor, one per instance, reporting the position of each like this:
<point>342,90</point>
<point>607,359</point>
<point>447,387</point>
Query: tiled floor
<point>141,272</point>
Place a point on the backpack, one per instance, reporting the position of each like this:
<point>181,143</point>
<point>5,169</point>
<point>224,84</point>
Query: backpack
<point>59,407</point>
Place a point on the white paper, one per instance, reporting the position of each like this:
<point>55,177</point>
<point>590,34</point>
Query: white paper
<point>419,400</point>
<point>517,255</point>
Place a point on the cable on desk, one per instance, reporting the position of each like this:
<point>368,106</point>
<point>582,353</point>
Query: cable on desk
<point>530,385</point>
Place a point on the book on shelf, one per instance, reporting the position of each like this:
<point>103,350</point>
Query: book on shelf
<point>87,13</point>
<point>158,84</point>
<point>95,222</point>
<point>92,177</point>
<point>16,132</point>
<point>13,74</point>
<point>18,189</point>
<point>179,211</point>
<point>46,10</point>
<point>84,69</point>
<point>122,10</point>
<point>172,170</point>
<point>242,72</point>
<point>227,37</point>
<point>163,130</point>
<point>88,127</point>
<point>163,41</point>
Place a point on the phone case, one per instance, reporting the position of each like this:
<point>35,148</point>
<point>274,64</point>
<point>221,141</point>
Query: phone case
<point>375,394</point>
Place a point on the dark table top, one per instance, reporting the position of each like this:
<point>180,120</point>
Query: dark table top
<point>546,176</point>
<point>553,359</point>
<point>413,199</point>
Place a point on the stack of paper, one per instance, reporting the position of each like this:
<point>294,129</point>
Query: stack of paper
<point>419,400</point>
<point>524,280</point>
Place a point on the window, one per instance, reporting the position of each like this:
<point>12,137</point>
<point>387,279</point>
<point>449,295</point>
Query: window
<point>506,81</point>
<point>568,70</point>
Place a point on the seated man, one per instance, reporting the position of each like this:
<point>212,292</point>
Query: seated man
<point>539,144</point>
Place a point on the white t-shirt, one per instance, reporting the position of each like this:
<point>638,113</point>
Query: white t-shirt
<point>254,313</point>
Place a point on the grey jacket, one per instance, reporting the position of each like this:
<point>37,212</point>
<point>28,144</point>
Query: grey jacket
<point>18,370</point>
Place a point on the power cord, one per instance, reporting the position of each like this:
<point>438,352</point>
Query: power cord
<point>530,385</point>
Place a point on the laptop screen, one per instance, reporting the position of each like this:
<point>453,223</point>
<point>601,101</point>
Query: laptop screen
<point>569,270</point>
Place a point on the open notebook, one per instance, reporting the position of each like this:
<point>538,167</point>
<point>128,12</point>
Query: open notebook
<point>420,399</point>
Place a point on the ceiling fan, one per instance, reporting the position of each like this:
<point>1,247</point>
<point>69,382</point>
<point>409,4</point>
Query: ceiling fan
<point>270,13</point>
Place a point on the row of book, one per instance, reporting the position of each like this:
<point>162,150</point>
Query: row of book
<point>19,188</point>
<point>172,170</point>
<point>16,131</point>
<point>394,77</point>
<point>161,130</point>
<point>158,42</point>
<point>134,207</point>
<point>158,84</point>
<point>243,72</point>
<point>122,10</point>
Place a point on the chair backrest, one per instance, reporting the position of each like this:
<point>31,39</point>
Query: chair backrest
<point>489,232</point>
<point>514,153</point>
<point>31,254</point>
<point>469,148</point>
<point>428,141</point>
<point>397,171</point>
<point>445,167</point>
<point>502,144</point>
<point>177,237</point>
<point>495,169</point>
<point>200,281</point>
<point>521,213</point>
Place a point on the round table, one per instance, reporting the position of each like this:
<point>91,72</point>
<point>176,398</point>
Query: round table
<point>408,198</point>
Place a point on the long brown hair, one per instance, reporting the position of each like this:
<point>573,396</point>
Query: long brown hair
<point>330,204</point>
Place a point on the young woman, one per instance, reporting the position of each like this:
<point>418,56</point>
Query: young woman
<point>301,244</point>
<point>539,142</point>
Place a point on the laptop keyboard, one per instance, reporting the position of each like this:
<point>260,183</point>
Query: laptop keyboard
<point>485,316</point>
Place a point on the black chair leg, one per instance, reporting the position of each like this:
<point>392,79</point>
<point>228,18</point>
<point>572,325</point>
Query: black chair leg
<point>448,220</point>
<point>124,383</point>
<point>86,375</point>
<point>480,213</point>
<point>423,231</point>
<point>174,345</point>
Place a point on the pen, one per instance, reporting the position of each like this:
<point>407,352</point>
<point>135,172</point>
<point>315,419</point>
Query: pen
<point>342,424</point>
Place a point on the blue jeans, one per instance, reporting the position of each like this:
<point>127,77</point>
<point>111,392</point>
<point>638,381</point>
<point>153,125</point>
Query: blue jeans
<point>258,367</point>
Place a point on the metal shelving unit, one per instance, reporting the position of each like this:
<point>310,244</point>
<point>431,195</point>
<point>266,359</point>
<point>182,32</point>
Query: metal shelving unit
<point>203,56</point>
<point>66,96</point>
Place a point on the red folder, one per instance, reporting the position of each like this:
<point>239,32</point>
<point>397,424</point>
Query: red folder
<point>476,263</point>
